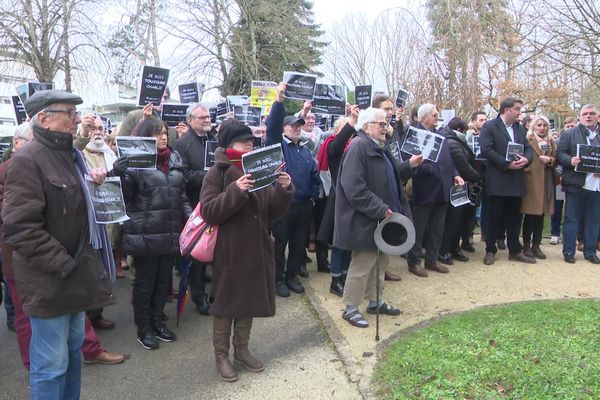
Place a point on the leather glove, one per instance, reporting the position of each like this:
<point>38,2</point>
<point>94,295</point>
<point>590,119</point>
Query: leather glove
<point>120,165</point>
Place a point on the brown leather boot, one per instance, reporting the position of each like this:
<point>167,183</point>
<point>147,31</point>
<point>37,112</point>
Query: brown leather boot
<point>221,337</point>
<point>241,354</point>
<point>527,250</point>
<point>537,252</point>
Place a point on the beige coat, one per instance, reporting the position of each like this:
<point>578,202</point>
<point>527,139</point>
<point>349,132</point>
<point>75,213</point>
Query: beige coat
<point>539,187</point>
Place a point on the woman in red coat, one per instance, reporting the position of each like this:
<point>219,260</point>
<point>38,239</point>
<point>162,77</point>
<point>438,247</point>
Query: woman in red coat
<point>244,267</point>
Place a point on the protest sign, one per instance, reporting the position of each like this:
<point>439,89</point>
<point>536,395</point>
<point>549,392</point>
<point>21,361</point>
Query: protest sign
<point>264,165</point>
<point>209,154</point>
<point>190,92</point>
<point>106,122</point>
<point>153,82</point>
<point>217,111</point>
<point>329,99</point>
<point>421,141</point>
<point>476,147</point>
<point>26,90</point>
<point>459,195</point>
<point>19,108</point>
<point>235,101</point>
<point>394,149</point>
<point>141,151</point>
<point>3,147</point>
<point>263,94</point>
<point>321,121</point>
<point>590,158</point>
<point>172,114</point>
<point>107,200</point>
<point>362,95</point>
<point>248,115</point>
<point>401,98</point>
<point>299,86</point>
<point>513,150</point>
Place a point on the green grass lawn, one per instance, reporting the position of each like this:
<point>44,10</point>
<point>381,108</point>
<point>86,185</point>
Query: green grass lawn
<point>529,351</point>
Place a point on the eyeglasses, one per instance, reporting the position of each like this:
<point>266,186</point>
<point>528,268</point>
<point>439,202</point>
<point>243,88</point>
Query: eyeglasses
<point>204,117</point>
<point>381,124</point>
<point>589,114</point>
<point>97,128</point>
<point>72,113</point>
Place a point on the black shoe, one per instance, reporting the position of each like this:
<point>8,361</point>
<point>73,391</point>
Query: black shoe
<point>307,259</point>
<point>164,317</point>
<point>281,289</point>
<point>445,259</point>
<point>593,259</point>
<point>147,339</point>
<point>294,285</point>
<point>500,244</point>
<point>459,256</point>
<point>303,272</point>
<point>163,333</point>
<point>203,306</point>
<point>570,258</point>
<point>468,247</point>
<point>337,286</point>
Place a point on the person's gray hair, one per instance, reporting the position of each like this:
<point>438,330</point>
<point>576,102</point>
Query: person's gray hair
<point>339,123</point>
<point>35,122</point>
<point>193,107</point>
<point>369,115</point>
<point>589,107</point>
<point>25,129</point>
<point>425,110</point>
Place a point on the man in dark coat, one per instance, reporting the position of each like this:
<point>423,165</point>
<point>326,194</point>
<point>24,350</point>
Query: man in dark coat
<point>582,189</point>
<point>369,189</point>
<point>49,224</point>
<point>504,181</point>
<point>192,149</point>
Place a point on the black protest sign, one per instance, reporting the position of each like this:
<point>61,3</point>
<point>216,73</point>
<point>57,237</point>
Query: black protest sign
<point>401,98</point>
<point>248,115</point>
<point>106,122</point>
<point>217,111</point>
<point>544,147</point>
<point>141,151</point>
<point>459,195</point>
<point>476,147</point>
<point>362,94</point>
<point>107,200</point>
<point>590,159</point>
<point>153,82</point>
<point>394,150</point>
<point>329,99</point>
<point>3,147</point>
<point>209,154</point>
<point>321,121</point>
<point>237,101</point>
<point>421,141</point>
<point>173,114</point>
<point>20,113</point>
<point>264,165</point>
<point>299,86</point>
<point>190,92</point>
<point>39,86</point>
<point>513,151</point>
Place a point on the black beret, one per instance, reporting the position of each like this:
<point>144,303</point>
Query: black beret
<point>44,98</point>
<point>232,130</point>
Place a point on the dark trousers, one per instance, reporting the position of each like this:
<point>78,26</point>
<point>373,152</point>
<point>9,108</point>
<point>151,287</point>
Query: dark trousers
<point>452,229</point>
<point>321,248</point>
<point>291,231</point>
<point>430,217</point>
<point>152,277</point>
<point>533,225</point>
<point>504,215</point>
<point>556,219</point>
<point>468,222</point>
<point>197,278</point>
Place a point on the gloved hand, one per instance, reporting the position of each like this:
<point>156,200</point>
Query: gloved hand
<point>120,165</point>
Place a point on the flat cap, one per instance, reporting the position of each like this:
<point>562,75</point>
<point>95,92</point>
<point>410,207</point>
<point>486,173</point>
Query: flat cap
<point>44,98</point>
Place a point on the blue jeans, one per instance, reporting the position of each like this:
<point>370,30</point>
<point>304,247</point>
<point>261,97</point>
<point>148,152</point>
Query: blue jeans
<point>340,261</point>
<point>55,356</point>
<point>576,203</point>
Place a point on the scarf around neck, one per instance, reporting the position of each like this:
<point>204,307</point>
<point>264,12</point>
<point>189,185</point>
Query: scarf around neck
<point>235,156</point>
<point>105,150</point>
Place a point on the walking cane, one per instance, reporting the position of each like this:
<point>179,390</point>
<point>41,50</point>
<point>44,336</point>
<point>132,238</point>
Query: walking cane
<point>377,268</point>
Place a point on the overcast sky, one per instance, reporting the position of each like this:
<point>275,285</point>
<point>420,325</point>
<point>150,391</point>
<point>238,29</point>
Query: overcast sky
<point>328,11</point>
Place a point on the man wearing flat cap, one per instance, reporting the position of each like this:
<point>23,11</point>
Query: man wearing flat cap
<point>292,230</point>
<point>62,259</point>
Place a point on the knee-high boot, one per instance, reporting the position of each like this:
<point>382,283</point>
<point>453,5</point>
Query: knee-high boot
<point>241,336</point>
<point>221,338</point>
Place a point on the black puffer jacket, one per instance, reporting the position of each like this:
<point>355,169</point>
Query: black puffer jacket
<point>158,207</point>
<point>462,157</point>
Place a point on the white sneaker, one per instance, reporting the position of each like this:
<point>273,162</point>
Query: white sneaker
<point>554,240</point>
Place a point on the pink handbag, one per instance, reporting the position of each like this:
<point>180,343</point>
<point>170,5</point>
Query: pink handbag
<point>198,239</point>
<point>204,250</point>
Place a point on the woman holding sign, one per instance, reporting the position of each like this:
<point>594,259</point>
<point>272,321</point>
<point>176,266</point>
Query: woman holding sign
<point>539,186</point>
<point>243,268</point>
<point>158,207</point>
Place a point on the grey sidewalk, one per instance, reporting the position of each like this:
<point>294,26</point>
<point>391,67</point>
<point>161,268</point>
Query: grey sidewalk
<point>300,361</point>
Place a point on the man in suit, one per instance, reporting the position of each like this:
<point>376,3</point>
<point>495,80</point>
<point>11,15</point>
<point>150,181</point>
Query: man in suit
<point>504,181</point>
<point>582,189</point>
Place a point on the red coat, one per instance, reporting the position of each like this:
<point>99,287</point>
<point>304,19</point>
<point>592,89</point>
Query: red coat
<point>243,280</point>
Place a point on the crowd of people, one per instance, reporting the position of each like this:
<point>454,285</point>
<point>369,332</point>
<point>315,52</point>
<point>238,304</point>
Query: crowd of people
<point>58,262</point>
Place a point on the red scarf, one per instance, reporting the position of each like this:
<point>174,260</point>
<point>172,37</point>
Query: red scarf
<point>162,160</point>
<point>235,156</point>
